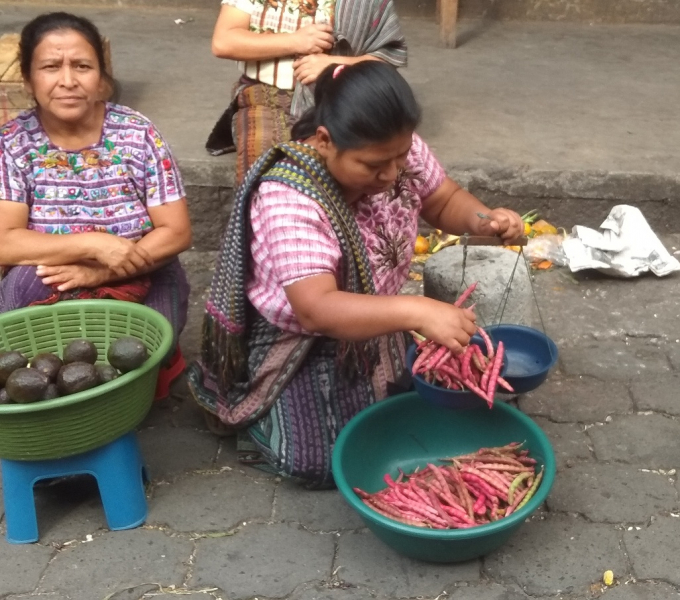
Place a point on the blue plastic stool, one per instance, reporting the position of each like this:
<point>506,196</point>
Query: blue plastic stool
<point>118,468</point>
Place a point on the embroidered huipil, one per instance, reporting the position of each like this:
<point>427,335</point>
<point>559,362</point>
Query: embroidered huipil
<point>105,187</point>
<point>280,16</point>
<point>292,238</point>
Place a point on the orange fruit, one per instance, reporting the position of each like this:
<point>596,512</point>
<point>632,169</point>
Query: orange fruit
<point>422,245</point>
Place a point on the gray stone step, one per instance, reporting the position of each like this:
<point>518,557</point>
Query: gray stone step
<point>588,11</point>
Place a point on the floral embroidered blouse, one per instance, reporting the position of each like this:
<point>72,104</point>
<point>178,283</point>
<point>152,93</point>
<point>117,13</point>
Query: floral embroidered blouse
<point>105,187</point>
<point>292,238</point>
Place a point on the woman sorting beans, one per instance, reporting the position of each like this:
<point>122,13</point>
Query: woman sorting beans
<point>91,201</point>
<point>304,322</point>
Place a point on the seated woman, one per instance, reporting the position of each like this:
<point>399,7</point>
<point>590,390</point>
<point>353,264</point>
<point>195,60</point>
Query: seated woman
<point>303,325</point>
<point>282,46</point>
<point>91,201</point>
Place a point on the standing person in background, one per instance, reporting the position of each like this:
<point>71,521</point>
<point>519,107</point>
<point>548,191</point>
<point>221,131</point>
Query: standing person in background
<point>282,46</point>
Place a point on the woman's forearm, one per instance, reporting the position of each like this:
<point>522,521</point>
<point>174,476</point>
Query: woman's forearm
<point>347,316</point>
<point>30,248</point>
<point>240,44</point>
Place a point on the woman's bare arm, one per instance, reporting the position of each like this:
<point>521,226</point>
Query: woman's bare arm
<point>233,39</point>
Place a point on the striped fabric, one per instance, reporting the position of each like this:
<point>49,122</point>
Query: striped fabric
<point>105,187</point>
<point>280,16</point>
<point>292,237</point>
<point>361,27</point>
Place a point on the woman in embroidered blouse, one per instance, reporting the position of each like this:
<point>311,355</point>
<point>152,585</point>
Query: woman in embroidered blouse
<point>303,325</point>
<point>99,173</point>
<point>282,46</point>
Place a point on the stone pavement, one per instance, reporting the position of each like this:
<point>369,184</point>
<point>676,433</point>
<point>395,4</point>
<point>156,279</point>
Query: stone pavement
<point>220,530</point>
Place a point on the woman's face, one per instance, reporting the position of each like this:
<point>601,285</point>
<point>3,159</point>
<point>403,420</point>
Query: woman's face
<point>369,170</point>
<point>65,78</point>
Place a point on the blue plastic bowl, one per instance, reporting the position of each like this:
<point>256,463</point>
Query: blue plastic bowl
<point>529,354</point>
<point>440,396</point>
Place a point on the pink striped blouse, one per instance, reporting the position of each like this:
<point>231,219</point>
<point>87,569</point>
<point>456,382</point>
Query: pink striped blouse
<point>293,239</point>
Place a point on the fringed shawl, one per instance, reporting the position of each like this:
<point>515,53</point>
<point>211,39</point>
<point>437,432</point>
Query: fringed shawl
<point>224,351</point>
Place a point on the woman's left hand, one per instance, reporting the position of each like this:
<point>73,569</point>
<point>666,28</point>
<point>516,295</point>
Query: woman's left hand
<point>502,222</point>
<point>308,68</point>
<point>68,277</point>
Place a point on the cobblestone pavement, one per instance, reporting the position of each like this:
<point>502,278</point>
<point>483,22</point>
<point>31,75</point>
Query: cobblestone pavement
<point>219,530</point>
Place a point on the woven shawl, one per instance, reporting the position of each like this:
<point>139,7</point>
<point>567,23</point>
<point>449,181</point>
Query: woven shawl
<point>361,27</point>
<point>225,325</point>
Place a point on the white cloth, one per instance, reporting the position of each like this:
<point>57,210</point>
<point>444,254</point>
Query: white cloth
<point>626,248</point>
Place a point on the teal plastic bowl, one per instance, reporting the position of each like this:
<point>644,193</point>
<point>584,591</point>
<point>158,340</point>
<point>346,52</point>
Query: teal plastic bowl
<point>404,431</point>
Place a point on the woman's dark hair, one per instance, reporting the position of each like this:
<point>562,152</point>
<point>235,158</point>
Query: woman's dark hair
<point>369,102</point>
<point>34,32</point>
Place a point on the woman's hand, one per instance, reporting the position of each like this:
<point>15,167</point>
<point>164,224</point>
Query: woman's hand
<point>68,277</point>
<point>308,68</point>
<point>313,39</point>
<point>446,324</point>
<point>123,257</point>
<point>502,222</point>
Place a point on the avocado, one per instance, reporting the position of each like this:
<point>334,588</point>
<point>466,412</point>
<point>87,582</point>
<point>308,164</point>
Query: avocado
<point>26,385</point>
<point>127,354</point>
<point>9,362</point>
<point>105,373</point>
<point>51,392</point>
<point>76,377</point>
<point>4,397</point>
<point>80,351</point>
<point>47,363</point>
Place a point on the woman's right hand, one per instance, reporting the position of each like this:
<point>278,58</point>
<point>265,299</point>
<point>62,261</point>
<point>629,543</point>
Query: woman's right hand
<point>313,39</point>
<point>122,256</point>
<point>447,325</point>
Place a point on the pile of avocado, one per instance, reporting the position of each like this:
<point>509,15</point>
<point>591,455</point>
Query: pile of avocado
<point>48,376</point>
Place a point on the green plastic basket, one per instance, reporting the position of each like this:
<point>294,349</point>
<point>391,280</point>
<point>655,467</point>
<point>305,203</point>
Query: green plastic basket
<point>80,422</point>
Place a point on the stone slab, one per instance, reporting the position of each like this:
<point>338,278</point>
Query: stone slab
<point>22,566</point>
<point>336,593</point>
<point>209,209</point>
<point>602,308</point>
<point>659,394</point>
<point>170,451</point>
<point>487,591</point>
<point>612,493</point>
<point>363,560</point>
<point>577,399</point>
<point>617,360</point>
<point>263,560</point>
<point>116,561</point>
<point>557,555</point>
<point>179,410</point>
<point>228,458</point>
<point>643,591</point>
<point>320,511</point>
<point>643,549</point>
<point>203,502</point>
<point>647,440</point>
<point>492,269</point>
<point>69,510</point>
<point>569,441</point>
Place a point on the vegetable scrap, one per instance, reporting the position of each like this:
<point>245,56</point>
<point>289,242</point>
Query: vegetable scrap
<point>470,490</point>
<point>533,227</point>
<point>472,370</point>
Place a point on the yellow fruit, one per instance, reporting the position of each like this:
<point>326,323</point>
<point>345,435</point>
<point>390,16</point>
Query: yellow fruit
<point>542,227</point>
<point>608,578</point>
<point>422,245</point>
<point>527,228</point>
